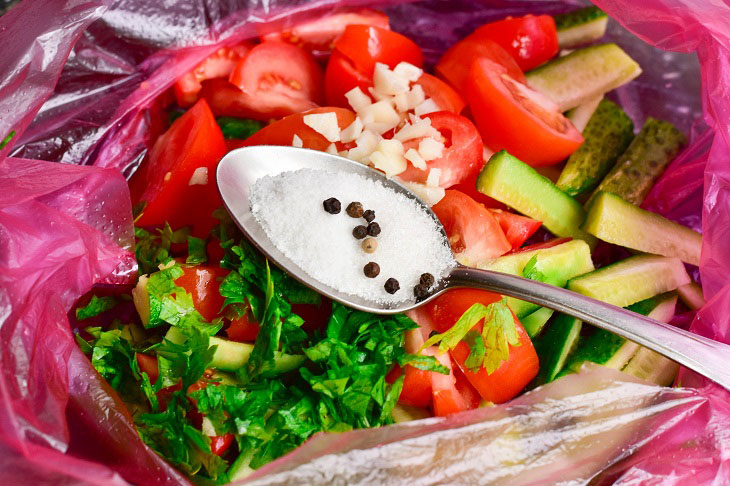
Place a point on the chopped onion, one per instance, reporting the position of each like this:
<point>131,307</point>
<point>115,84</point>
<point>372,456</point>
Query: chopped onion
<point>429,195</point>
<point>332,149</point>
<point>381,112</point>
<point>430,149</point>
<point>390,163</point>
<point>408,71</point>
<point>352,131</point>
<point>325,124</point>
<point>387,82</point>
<point>428,106</point>
<point>200,177</point>
<point>419,129</point>
<point>357,99</point>
<point>433,177</point>
<point>416,96</point>
<point>391,146</point>
<point>365,144</point>
<point>297,142</point>
<point>415,158</point>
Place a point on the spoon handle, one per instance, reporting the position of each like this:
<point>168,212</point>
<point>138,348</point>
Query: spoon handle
<point>705,356</point>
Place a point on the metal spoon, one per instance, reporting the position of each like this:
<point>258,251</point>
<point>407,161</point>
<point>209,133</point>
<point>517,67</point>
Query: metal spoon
<point>240,169</point>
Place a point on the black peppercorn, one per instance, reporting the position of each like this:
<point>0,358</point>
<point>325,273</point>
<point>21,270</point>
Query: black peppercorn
<point>359,232</point>
<point>369,215</point>
<point>372,270</point>
<point>373,229</point>
<point>392,286</point>
<point>427,280</point>
<point>332,205</point>
<point>420,291</point>
<point>354,209</point>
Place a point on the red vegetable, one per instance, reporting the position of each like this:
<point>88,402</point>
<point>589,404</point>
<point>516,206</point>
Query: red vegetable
<point>516,228</point>
<point>203,282</point>
<point>441,93</point>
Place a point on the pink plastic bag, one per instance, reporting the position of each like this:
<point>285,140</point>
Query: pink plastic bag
<point>64,228</point>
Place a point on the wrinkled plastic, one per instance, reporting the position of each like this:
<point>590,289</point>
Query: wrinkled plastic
<point>64,228</point>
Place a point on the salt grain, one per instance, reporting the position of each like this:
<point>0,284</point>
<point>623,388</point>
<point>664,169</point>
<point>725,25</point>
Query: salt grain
<point>289,208</point>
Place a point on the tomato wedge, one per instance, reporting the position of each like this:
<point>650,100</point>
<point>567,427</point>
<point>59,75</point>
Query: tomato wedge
<point>220,443</point>
<point>516,228</point>
<point>319,35</point>
<point>417,383</point>
<point>445,397</point>
<point>513,374</point>
<point>462,155</point>
<point>454,65</point>
<point>217,65</point>
<point>441,93</point>
<point>513,117</point>
<point>148,364</point>
<point>202,283</point>
<point>353,59</point>
<point>474,234</point>
<point>531,40</point>
<point>193,142</point>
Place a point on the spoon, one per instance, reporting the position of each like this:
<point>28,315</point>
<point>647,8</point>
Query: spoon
<point>240,169</point>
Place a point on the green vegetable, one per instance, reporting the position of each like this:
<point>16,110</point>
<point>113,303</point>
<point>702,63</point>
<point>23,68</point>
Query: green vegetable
<point>196,251</point>
<point>7,139</point>
<point>96,306</point>
<point>580,26</point>
<point>238,128</point>
<point>152,248</point>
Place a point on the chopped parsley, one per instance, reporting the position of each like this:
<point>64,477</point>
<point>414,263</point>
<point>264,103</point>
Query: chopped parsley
<point>96,306</point>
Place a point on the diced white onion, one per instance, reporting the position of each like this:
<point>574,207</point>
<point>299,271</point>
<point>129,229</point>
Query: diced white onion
<point>352,131</point>
<point>387,82</point>
<point>421,128</point>
<point>429,195</point>
<point>428,106</point>
<point>199,177</point>
<point>357,99</point>
<point>364,146</point>
<point>331,149</point>
<point>430,149</point>
<point>381,112</point>
<point>408,71</point>
<point>296,141</point>
<point>433,177</point>
<point>390,163</point>
<point>416,96</point>
<point>391,146</point>
<point>325,124</point>
<point>415,158</point>
<point>401,102</point>
<point>379,128</point>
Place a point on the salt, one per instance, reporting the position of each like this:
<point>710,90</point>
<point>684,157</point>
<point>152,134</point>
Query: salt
<point>289,208</point>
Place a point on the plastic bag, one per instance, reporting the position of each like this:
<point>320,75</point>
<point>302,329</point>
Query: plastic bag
<point>64,228</point>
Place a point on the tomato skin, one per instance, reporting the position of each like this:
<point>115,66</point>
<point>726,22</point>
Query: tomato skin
<point>514,374</point>
<point>516,228</point>
<point>474,234</point>
<point>148,364</point>
<point>340,77</point>
<point>446,397</point>
<point>315,317</point>
<point>243,329</point>
<point>203,282</point>
<point>515,118</point>
<point>217,65</point>
<point>462,153</point>
<point>531,39</point>
<point>417,383</point>
<point>193,141</point>
<point>220,443</point>
<point>454,65</point>
<point>441,93</point>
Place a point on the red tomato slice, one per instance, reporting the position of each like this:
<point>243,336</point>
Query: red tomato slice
<point>465,388</point>
<point>514,374</point>
<point>243,329</point>
<point>217,65</point>
<point>446,397</point>
<point>531,39</point>
<point>516,228</point>
<point>220,443</point>
<point>203,283</point>
<point>148,364</point>
<point>417,383</point>
<point>282,132</point>
<point>441,93</point>
<point>462,153</point>
<point>193,141</point>
<point>515,118</point>
<point>319,35</point>
<point>340,77</point>
<point>474,234</point>
<point>455,63</point>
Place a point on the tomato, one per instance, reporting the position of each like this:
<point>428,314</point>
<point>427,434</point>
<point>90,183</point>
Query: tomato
<point>513,374</point>
<point>515,118</point>
<point>282,132</point>
<point>217,65</point>
<point>319,35</point>
<point>474,234</point>
<point>543,246</point>
<point>243,329</point>
<point>355,54</point>
<point>193,141</point>
<point>203,282</point>
<point>417,383</point>
<point>315,316</point>
<point>454,65</point>
<point>441,93</point>
<point>516,228</point>
<point>446,397</point>
<point>220,443</point>
<point>465,388</point>
<point>214,251</point>
<point>148,364</point>
<point>462,155</point>
<point>531,39</point>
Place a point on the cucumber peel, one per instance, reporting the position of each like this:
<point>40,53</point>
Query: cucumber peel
<point>581,115</point>
<point>535,322</point>
<point>580,26</point>
<point>555,345</point>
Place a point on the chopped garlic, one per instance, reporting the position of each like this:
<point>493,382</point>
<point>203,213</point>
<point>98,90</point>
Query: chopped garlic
<point>199,177</point>
<point>429,195</point>
<point>357,99</point>
<point>416,96</point>
<point>428,106</point>
<point>331,149</point>
<point>353,131</point>
<point>207,427</point>
<point>296,141</point>
<point>408,71</point>
<point>381,112</point>
<point>391,147</point>
<point>415,158</point>
<point>419,129</point>
<point>433,177</point>
<point>401,102</point>
<point>325,124</point>
<point>378,128</point>
<point>387,82</point>
<point>390,163</point>
<point>378,96</point>
<point>364,146</point>
<point>430,149</point>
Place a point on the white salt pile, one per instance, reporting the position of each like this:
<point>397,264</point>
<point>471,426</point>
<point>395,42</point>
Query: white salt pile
<point>290,209</point>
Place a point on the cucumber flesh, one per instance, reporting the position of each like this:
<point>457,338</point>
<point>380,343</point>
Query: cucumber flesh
<point>535,322</point>
<point>555,345</point>
<point>580,26</point>
<point>691,295</point>
<point>584,74</point>
<point>407,413</point>
<point>631,280</point>
<point>240,468</point>
<point>645,159</point>
<point>607,136</point>
<point>616,221</point>
<point>580,115</point>
<point>516,184</point>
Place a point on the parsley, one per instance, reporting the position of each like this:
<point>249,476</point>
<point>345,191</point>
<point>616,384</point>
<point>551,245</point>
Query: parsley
<point>425,363</point>
<point>153,247</point>
<point>238,128</point>
<point>531,271</point>
<point>7,139</point>
<point>196,251</point>
<point>96,306</point>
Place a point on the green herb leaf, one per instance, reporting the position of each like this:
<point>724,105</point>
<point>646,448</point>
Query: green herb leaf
<point>530,271</point>
<point>238,128</point>
<point>196,251</point>
<point>96,306</point>
<point>153,248</point>
<point>449,339</point>
<point>477,351</point>
<point>7,139</point>
<point>425,363</point>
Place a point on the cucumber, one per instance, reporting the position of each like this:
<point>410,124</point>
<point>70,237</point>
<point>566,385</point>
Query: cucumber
<point>516,184</point>
<point>644,161</point>
<point>406,413</point>
<point>555,345</point>
<point>616,221</point>
<point>607,136</point>
<point>241,468</point>
<point>580,26</point>
<point>148,309</point>
<point>584,74</point>
<point>631,280</point>
<point>580,115</point>
<point>559,264</point>
<point>691,295</point>
<point>534,322</point>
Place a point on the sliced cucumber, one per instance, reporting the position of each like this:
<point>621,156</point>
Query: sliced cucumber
<point>555,345</point>
<point>516,184</point>
<point>241,468</point>
<point>406,413</point>
<point>580,26</point>
<point>644,161</point>
<point>607,135</point>
<point>692,296</point>
<point>580,115</point>
<point>148,310</point>
<point>631,280</point>
<point>584,74</point>
<point>558,264</point>
<point>616,221</point>
<point>534,322</point>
